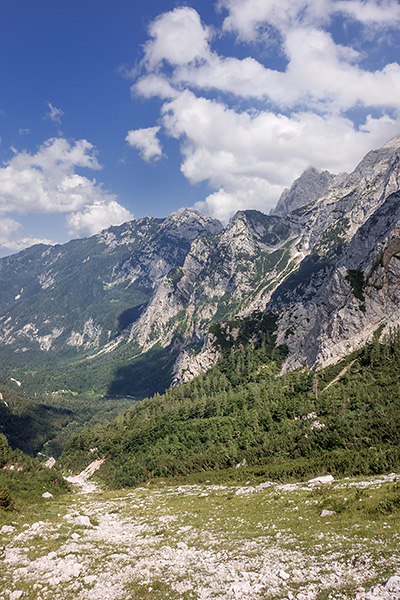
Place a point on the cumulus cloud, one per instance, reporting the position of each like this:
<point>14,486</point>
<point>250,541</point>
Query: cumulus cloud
<point>249,128</point>
<point>177,37</point>
<point>251,158</point>
<point>250,19</point>
<point>22,243</point>
<point>97,216</point>
<point>146,141</point>
<point>7,228</point>
<point>380,12</point>
<point>48,182</point>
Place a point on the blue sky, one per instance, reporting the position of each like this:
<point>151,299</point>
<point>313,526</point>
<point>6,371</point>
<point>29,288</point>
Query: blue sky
<point>114,110</point>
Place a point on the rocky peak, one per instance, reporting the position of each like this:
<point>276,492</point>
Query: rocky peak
<point>334,218</point>
<point>312,184</point>
<point>189,224</point>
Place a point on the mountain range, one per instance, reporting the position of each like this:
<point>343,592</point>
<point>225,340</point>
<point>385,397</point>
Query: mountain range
<point>128,311</point>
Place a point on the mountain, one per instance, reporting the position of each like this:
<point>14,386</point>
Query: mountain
<point>347,287</point>
<point>126,310</point>
<point>312,184</point>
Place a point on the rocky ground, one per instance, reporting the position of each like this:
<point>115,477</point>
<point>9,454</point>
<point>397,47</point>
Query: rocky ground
<point>297,541</point>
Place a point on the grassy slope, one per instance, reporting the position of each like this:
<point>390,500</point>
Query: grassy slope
<point>23,480</point>
<point>242,412</point>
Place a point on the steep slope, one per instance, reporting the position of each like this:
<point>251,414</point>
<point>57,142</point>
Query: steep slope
<point>310,186</point>
<point>348,286</point>
<point>343,418</point>
<point>81,296</point>
<point>232,273</point>
<point>152,284</point>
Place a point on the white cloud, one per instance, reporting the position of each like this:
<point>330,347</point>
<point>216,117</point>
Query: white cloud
<point>178,37</point>
<point>153,85</point>
<point>250,19</point>
<point>371,12</point>
<point>250,158</point>
<point>7,228</point>
<point>320,74</point>
<point>247,18</point>
<point>26,242</point>
<point>97,216</point>
<point>47,182</point>
<point>146,141</point>
<point>246,151</point>
<point>55,114</point>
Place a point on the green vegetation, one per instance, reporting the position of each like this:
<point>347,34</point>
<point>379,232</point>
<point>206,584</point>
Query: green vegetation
<point>333,237</point>
<point>191,539</point>
<point>23,480</point>
<point>43,423</point>
<point>243,412</point>
<point>356,279</point>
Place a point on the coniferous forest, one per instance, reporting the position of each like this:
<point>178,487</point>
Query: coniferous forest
<point>244,412</point>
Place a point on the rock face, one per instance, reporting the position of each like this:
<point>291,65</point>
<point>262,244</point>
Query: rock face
<point>312,184</point>
<point>327,260</point>
<point>348,285</point>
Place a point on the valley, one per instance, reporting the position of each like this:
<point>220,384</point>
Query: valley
<point>210,371</point>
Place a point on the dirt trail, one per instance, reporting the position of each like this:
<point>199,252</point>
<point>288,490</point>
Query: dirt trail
<point>342,372</point>
<point>81,480</point>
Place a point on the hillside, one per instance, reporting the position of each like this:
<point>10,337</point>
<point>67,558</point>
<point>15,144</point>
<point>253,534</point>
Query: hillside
<point>342,419</point>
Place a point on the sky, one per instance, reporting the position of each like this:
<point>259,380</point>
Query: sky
<point>115,109</point>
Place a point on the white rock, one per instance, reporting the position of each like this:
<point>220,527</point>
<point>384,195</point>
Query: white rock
<point>245,490</point>
<point>265,484</point>
<point>323,480</point>
<point>37,525</point>
<point>283,575</point>
<point>69,569</point>
<point>16,595</point>
<point>83,520</point>
<point>327,513</point>
<point>182,546</point>
<point>75,536</point>
<point>47,495</point>
<point>393,584</point>
<point>50,462</point>
<point>7,529</point>
<point>241,587</point>
<point>88,579</point>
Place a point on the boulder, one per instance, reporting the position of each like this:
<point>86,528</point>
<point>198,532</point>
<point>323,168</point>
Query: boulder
<point>322,480</point>
<point>83,520</point>
<point>327,513</point>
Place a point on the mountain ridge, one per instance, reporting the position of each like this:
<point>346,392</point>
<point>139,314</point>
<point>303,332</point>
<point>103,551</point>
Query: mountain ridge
<point>160,283</point>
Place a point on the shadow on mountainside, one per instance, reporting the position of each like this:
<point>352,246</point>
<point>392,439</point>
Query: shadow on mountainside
<point>31,429</point>
<point>146,375</point>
